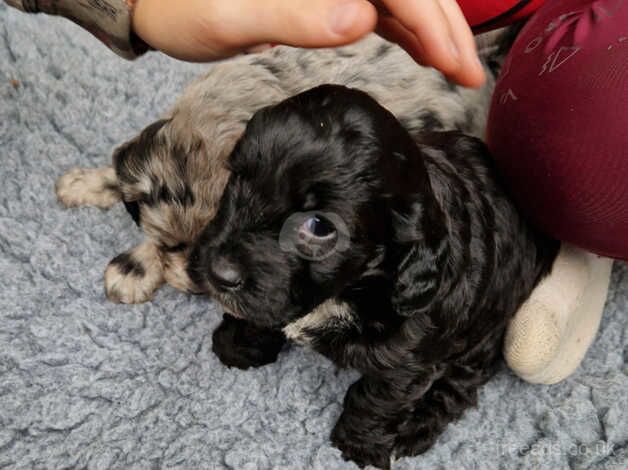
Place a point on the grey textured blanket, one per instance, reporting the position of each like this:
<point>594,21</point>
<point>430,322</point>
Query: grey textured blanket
<point>88,384</point>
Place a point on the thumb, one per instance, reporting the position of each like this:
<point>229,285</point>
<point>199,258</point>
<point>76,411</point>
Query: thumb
<point>300,23</point>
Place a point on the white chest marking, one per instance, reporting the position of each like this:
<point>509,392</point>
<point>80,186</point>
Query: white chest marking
<point>330,311</point>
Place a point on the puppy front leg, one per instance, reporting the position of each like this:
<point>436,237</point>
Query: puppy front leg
<point>403,413</point>
<point>239,343</point>
<point>366,431</point>
<point>133,276</point>
<point>88,187</point>
<point>445,401</point>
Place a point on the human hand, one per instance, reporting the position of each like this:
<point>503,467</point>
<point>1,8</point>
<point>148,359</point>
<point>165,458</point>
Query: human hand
<point>204,30</point>
<point>434,32</point>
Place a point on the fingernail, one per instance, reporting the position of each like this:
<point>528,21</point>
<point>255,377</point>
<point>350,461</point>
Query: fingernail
<point>342,17</point>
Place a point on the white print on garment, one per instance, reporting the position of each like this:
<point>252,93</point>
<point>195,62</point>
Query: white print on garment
<point>532,45</point>
<point>508,96</point>
<point>557,58</point>
<point>554,24</point>
<point>620,40</point>
<point>608,7</point>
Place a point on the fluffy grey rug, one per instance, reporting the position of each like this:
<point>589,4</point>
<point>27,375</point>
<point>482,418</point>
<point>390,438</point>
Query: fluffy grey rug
<point>88,384</point>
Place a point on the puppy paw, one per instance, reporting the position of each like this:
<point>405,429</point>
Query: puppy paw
<point>176,273</point>
<point>131,278</point>
<point>360,450</point>
<point>88,186</point>
<point>238,343</point>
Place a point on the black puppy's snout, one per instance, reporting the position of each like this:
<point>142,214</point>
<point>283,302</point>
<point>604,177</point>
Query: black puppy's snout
<point>225,273</point>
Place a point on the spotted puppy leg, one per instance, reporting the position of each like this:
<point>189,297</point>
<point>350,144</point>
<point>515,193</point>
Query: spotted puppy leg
<point>175,271</point>
<point>88,187</point>
<point>134,276</point>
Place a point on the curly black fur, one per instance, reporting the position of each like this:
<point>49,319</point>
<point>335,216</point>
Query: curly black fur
<point>438,261</point>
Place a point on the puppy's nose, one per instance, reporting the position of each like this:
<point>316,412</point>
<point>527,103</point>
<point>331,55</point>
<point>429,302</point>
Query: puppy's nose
<point>225,273</point>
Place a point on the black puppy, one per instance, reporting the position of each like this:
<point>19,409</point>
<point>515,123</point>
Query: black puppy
<point>399,256</point>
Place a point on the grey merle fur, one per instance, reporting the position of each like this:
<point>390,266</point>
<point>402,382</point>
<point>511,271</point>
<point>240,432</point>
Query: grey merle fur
<point>170,177</point>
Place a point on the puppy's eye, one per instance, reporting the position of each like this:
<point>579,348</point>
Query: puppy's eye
<point>314,236</point>
<point>317,238</point>
<point>318,227</point>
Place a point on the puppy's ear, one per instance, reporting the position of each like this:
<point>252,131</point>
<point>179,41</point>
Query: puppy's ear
<point>133,160</point>
<point>422,246</point>
<point>419,240</point>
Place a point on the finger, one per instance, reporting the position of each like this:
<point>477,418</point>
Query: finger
<point>302,23</point>
<point>470,72</point>
<point>428,22</point>
<point>391,29</point>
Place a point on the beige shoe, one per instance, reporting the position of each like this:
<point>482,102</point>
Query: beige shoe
<point>550,334</point>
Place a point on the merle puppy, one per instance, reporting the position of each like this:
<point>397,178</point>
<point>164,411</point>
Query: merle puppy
<point>400,256</point>
<point>171,175</point>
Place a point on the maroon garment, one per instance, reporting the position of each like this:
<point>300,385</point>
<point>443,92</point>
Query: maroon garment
<point>559,123</point>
